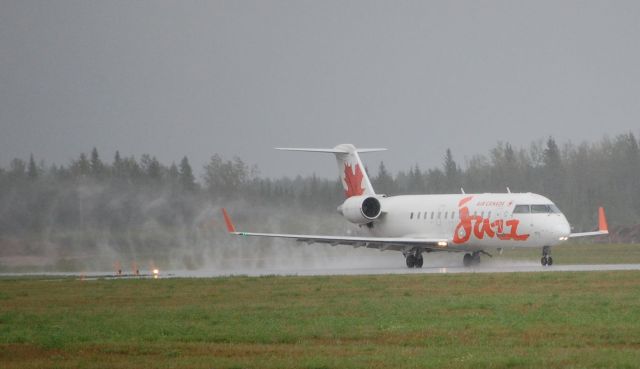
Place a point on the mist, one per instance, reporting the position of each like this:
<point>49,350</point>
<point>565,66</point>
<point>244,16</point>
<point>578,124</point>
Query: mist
<point>140,214</point>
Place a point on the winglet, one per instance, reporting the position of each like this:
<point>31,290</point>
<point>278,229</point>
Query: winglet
<point>602,221</point>
<point>227,220</point>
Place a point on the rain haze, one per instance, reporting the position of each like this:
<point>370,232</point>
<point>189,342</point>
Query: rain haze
<point>158,81</point>
<point>241,77</point>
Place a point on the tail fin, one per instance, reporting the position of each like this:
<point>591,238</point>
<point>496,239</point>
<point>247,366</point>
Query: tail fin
<point>352,173</point>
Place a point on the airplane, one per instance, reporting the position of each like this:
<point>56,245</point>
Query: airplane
<point>473,224</point>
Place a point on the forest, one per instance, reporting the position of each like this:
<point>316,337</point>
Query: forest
<point>125,207</point>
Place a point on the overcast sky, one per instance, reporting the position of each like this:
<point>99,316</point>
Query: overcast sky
<point>241,77</point>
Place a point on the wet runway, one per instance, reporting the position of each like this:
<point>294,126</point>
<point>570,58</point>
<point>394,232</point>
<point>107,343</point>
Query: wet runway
<point>454,268</point>
<point>451,269</point>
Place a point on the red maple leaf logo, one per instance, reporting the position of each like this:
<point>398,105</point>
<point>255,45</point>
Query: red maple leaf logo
<point>353,180</point>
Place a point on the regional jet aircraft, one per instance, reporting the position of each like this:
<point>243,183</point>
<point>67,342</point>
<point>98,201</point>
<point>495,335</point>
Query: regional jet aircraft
<point>472,224</point>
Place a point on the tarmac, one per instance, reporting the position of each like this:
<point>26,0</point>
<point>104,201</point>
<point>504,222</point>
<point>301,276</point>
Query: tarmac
<point>503,266</point>
<point>446,269</point>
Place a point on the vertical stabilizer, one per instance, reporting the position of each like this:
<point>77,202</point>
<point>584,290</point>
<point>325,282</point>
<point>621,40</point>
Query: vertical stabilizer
<point>353,176</point>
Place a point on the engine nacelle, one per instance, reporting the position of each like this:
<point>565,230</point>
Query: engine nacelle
<point>361,209</point>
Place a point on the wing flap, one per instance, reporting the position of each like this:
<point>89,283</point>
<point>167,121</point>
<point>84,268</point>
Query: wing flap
<point>382,243</point>
<point>386,243</point>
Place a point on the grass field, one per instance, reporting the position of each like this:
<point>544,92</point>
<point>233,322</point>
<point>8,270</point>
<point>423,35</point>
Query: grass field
<point>525,320</point>
<point>582,253</point>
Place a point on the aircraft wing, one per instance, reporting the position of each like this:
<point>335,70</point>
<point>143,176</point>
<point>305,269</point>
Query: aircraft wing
<point>588,234</point>
<point>382,243</point>
<point>603,228</point>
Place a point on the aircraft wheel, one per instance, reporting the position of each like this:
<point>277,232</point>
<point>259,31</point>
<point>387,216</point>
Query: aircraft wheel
<point>411,261</point>
<point>419,262</point>
<point>550,261</point>
<point>543,261</point>
<point>467,260</point>
<point>475,258</point>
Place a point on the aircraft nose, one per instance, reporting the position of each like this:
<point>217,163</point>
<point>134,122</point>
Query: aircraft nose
<point>563,229</point>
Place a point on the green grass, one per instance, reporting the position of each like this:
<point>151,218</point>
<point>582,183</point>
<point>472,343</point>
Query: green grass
<point>524,320</point>
<point>582,253</point>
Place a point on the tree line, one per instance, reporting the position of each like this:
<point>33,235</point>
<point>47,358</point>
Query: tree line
<point>128,198</point>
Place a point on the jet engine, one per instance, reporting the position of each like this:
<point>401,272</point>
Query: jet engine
<point>361,209</point>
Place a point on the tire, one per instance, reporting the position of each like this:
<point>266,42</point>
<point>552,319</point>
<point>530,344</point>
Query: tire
<point>411,261</point>
<point>467,260</point>
<point>550,261</point>
<point>419,262</point>
<point>543,261</point>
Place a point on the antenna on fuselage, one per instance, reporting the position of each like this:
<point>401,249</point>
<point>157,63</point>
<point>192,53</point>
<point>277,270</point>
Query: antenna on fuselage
<point>462,190</point>
<point>508,190</point>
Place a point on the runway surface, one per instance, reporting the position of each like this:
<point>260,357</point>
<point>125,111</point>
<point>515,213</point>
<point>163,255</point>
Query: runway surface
<point>494,267</point>
<point>452,269</point>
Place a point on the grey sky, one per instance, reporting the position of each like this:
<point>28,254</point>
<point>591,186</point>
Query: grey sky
<point>240,77</point>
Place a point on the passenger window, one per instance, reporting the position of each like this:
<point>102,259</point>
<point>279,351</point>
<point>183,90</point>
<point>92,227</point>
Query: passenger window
<point>411,216</point>
<point>418,216</point>
<point>521,209</point>
<point>482,215</point>
<point>432,213</point>
<point>446,213</point>
<point>489,215</point>
<point>439,215</point>
<point>425,215</point>
<point>453,214</point>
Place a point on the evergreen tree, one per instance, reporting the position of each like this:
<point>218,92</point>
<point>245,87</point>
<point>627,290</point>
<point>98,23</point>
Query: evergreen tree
<point>17,168</point>
<point>118,166</point>
<point>173,174</point>
<point>32,170</point>
<point>95,164</point>
<point>383,182</point>
<point>187,180</point>
<point>151,168</point>
<point>451,172</point>
<point>551,159</point>
<point>415,181</point>
<point>81,167</point>
<point>552,177</point>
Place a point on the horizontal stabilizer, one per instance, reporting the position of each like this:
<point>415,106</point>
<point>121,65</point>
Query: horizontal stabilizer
<point>353,176</point>
<point>330,151</point>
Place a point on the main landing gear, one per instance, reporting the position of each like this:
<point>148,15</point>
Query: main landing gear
<point>546,256</point>
<point>414,259</point>
<point>471,259</point>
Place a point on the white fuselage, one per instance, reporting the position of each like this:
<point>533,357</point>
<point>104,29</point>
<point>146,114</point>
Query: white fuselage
<point>474,221</point>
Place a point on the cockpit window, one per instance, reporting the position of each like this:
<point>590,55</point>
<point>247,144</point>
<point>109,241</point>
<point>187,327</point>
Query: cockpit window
<point>550,208</point>
<point>540,209</point>
<point>536,209</point>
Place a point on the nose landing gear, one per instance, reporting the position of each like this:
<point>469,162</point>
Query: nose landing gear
<point>546,256</point>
